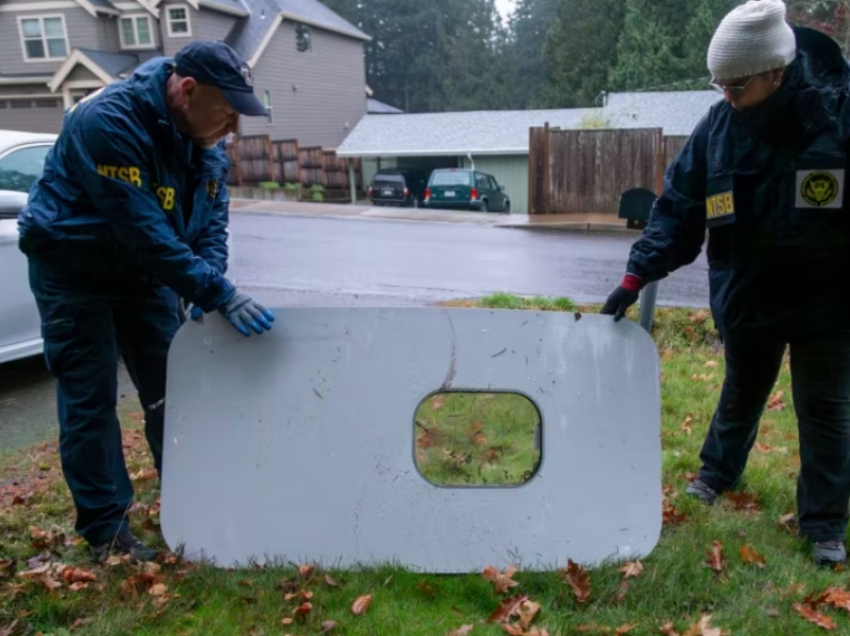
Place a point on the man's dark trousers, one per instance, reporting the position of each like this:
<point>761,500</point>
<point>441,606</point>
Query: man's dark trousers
<point>820,375</point>
<point>87,322</point>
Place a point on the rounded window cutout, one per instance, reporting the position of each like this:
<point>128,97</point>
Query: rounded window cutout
<point>477,439</point>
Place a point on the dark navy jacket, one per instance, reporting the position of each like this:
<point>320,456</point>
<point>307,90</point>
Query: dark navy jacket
<point>123,191</point>
<point>770,186</point>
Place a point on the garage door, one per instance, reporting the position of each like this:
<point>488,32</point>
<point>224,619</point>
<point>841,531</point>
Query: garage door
<point>42,115</point>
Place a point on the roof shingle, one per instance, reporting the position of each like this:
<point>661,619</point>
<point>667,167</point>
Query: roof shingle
<point>677,112</point>
<point>249,32</point>
<point>441,134</point>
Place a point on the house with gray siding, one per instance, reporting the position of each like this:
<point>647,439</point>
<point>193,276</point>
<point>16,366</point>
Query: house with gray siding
<point>497,142</point>
<point>308,62</point>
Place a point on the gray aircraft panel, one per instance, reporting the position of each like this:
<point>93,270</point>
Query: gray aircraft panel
<point>299,444</point>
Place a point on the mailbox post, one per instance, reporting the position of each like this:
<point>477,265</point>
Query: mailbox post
<point>635,206</point>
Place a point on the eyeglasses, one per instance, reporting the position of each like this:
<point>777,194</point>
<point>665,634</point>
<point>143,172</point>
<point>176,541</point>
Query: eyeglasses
<point>735,89</point>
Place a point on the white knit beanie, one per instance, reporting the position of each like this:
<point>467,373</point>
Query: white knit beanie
<point>751,39</point>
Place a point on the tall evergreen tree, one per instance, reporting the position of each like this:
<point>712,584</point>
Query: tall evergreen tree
<point>707,16</point>
<point>580,51</point>
<point>471,75</point>
<point>529,27</point>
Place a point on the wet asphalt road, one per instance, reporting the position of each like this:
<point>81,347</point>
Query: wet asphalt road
<point>426,262</point>
<point>294,261</point>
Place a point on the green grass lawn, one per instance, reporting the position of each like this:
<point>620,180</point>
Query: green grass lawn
<point>738,562</point>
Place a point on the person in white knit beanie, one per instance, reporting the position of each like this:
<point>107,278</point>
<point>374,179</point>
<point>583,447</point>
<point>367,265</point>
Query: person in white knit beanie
<point>765,177</point>
<point>749,51</point>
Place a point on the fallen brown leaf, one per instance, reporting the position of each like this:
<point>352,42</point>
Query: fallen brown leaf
<point>839,598</point>
<point>671,516</point>
<point>7,568</point>
<point>146,474</point>
<point>788,522</point>
<point>328,626</point>
<point>716,561</point>
<point>632,569</point>
<point>158,590</point>
<point>79,624</point>
<point>622,591</point>
<point>78,587</point>
<point>78,575</point>
<point>528,611</point>
<point>507,609</point>
<point>464,630</point>
<point>330,581</point>
<point>703,628</point>
<point>667,629</point>
<point>743,501</point>
<point>361,604</point>
<point>9,629</point>
<point>306,570</point>
<point>579,580</point>
<point>687,425</point>
<point>711,363</point>
<point>814,616</point>
<point>302,610</point>
<point>749,555</point>
<point>775,402</point>
<point>624,629</point>
<point>502,581</point>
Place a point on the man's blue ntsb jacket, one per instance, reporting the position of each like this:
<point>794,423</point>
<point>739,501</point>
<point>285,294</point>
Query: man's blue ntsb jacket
<point>122,189</point>
<point>770,185</point>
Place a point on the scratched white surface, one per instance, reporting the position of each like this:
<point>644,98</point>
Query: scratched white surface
<point>299,444</point>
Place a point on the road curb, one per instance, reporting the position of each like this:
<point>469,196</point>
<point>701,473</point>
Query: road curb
<point>571,227</point>
<point>250,206</point>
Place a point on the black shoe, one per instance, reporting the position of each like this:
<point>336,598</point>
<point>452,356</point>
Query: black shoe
<point>830,552</point>
<point>702,491</point>
<point>123,543</point>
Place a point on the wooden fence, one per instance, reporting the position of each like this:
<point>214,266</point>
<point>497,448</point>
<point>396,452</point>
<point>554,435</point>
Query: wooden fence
<point>256,159</point>
<point>586,171</point>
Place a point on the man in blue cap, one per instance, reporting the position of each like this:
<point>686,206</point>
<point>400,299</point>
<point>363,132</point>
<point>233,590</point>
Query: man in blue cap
<point>129,216</point>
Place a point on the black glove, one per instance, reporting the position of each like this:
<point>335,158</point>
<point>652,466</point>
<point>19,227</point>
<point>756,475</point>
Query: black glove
<point>623,297</point>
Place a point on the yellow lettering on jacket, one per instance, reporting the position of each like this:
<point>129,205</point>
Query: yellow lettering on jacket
<point>166,197</point>
<point>719,205</point>
<point>127,174</point>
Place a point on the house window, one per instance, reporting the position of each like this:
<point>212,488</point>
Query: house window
<point>44,38</point>
<point>177,22</point>
<point>136,32</point>
<point>267,102</point>
<point>303,38</point>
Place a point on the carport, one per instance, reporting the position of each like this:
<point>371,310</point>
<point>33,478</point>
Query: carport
<point>494,142</point>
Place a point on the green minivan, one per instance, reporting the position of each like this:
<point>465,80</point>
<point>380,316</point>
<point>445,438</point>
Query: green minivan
<point>464,189</point>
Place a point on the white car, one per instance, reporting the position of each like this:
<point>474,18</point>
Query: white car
<point>21,162</point>
<point>22,157</point>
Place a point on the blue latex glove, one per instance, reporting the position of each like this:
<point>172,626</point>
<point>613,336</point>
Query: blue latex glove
<point>242,312</point>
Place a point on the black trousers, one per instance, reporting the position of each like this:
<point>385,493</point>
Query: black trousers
<point>87,325</point>
<point>820,373</point>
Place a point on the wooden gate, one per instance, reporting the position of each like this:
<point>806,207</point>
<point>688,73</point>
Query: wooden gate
<point>586,171</point>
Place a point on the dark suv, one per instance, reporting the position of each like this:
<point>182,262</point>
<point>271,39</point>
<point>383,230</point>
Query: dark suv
<point>463,189</point>
<point>399,187</point>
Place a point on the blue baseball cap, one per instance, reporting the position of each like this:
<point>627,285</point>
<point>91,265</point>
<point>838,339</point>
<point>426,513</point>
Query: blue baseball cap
<point>214,63</point>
